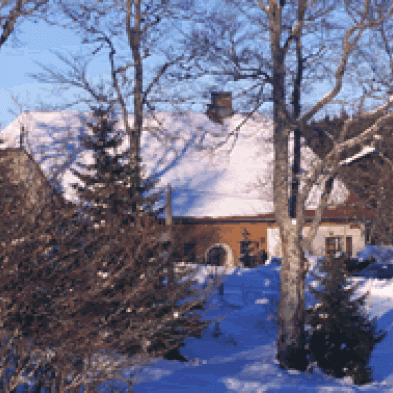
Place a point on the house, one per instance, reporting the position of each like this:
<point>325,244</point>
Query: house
<point>368,175</point>
<point>219,240</point>
<point>219,166</point>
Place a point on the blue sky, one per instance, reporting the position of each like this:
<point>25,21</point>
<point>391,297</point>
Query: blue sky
<point>17,60</point>
<point>36,42</point>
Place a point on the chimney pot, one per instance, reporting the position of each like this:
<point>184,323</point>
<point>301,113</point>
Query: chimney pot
<point>220,106</point>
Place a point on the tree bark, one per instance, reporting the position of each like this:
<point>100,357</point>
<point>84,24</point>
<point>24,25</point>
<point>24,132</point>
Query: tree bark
<point>134,39</point>
<point>297,135</point>
<point>291,316</point>
<point>290,338</point>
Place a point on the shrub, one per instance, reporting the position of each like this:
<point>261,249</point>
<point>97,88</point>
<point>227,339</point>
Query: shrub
<point>87,292</point>
<point>342,335</point>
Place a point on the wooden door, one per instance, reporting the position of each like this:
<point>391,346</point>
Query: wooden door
<point>348,246</point>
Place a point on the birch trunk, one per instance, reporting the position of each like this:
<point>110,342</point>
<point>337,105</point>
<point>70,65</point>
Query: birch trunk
<point>290,338</point>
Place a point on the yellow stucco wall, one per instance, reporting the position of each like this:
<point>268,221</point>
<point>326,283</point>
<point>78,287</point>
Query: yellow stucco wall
<point>265,234</point>
<point>229,233</point>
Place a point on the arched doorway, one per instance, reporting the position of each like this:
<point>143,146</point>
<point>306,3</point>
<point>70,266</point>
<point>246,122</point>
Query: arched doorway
<point>219,255</point>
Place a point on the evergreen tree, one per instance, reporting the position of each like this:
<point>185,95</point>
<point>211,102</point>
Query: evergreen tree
<point>107,187</point>
<point>342,335</point>
<point>245,249</point>
<point>126,217</point>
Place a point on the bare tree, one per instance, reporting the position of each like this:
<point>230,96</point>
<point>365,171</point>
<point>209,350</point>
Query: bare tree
<point>368,174</point>
<point>84,301</point>
<point>299,43</point>
<point>291,307</point>
<point>129,34</point>
<point>19,361</point>
<point>13,12</point>
<point>88,294</point>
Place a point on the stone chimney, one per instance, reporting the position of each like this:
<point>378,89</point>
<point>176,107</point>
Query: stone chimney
<point>220,106</point>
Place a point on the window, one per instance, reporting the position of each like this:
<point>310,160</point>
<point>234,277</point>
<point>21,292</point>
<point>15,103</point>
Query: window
<point>333,245</point>
<point>348,246</point>
<point>189,252</point>
<point>216,256</point>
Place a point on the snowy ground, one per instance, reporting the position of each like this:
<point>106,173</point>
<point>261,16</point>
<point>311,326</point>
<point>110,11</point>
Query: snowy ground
<point>241,357</point>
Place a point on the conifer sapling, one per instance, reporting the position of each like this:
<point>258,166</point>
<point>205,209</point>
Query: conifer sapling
<point>341,335</point>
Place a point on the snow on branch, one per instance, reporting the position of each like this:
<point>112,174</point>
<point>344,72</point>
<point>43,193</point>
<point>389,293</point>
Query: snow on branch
<point>365,150</point>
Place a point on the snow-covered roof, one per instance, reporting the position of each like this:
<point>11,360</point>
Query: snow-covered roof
<point>181,149</point>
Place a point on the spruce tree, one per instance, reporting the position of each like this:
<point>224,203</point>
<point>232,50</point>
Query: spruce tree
<point>245,249</point>
<point>107,188</point>
<point>111,201</point>
<point>342,335</point>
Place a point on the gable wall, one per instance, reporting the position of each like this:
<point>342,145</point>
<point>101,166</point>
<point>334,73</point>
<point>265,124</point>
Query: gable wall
<point>206,235</point>
<point>227,233</point>
<point>326,229</point>
<point>355,232</point>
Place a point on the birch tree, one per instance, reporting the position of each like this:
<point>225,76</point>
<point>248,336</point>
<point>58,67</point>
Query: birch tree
<point>291,306</point>
<point>126,35</point>
<point>274,53</point>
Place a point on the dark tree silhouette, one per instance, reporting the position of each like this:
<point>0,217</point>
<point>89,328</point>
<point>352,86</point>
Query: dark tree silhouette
<point>246,257</point>
<point>87,292</point>
<point>342,335</point>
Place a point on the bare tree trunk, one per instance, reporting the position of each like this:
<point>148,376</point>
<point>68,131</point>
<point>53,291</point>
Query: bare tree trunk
<point>290,339</point>
<point>296,114</point>
<point>134,39</point>
<point>295,173</point>
<point>297,134</point>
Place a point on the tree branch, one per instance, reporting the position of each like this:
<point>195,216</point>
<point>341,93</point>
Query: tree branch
<point>348,47</point>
